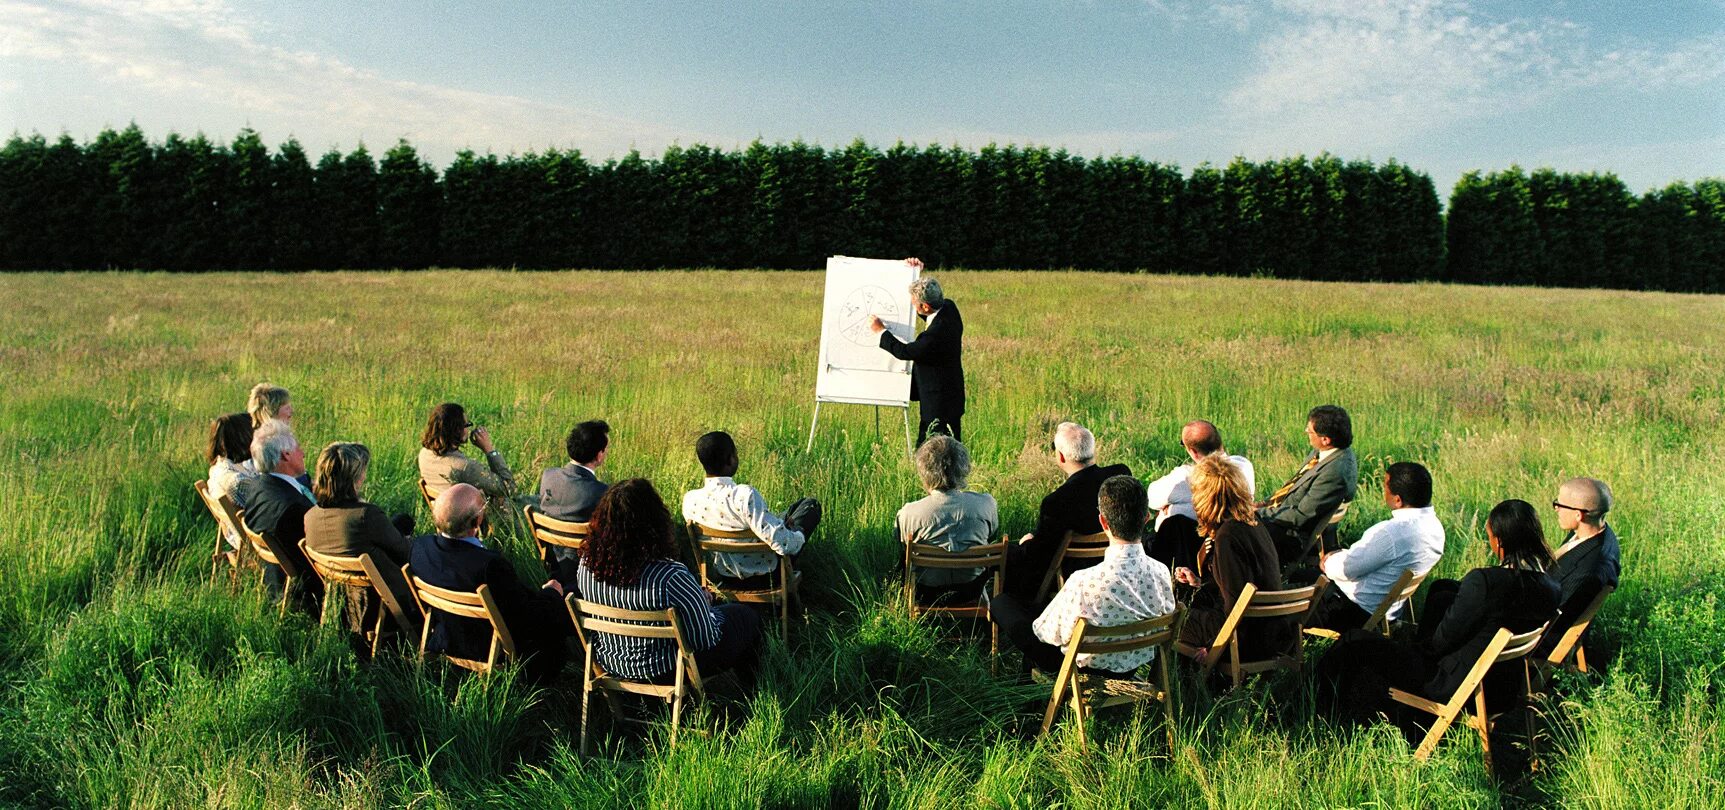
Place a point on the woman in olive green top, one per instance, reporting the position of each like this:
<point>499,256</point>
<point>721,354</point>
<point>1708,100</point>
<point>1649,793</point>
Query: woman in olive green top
<point>443,465</point>
<point>342,525</point>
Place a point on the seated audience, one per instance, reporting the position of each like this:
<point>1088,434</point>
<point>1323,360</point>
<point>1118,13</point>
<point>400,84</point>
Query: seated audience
<point>571,491</point>
<point>268,401</point>
<point>230,456</point>
<point>1070,507</point>
<point>628,563</point>
<point>1362,574</point>
<point>1236,552</point>
<point>1176,539</point>
<point>722,503</point>
<point>950,518</point>
<point>1127,586</point>
<point>1458,622</point>
<point>456,559</point>
<point>1588,560</point>
<point>342,525</point>
<point>276,502</point>
<point>1328,478</point>
<point>442,464</point>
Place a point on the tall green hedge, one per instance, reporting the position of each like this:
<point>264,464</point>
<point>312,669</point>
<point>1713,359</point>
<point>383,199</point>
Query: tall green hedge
<point>120,201</point>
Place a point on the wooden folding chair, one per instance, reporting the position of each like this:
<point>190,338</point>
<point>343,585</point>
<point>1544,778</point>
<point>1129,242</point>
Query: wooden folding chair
<point>227,517</point>
<point>549,532</point>
<point>1402,591</point>
<point>1504,647</point>
<point>1089,692</point>
<point>425,492</point>
<point>1569,644</point>
<point>592,617</point>
<point>708,541</point>
<point>343,572</point>
<point>1073,546</point>
<point>475,604</point>
<point>1317,535</point>
<point>993,555</point>
<point>264,547</point>
<point>1255,604</point>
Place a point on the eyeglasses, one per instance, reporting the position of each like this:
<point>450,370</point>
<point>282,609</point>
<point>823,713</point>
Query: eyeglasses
<point>1562,505</point>
<point>468,425</point>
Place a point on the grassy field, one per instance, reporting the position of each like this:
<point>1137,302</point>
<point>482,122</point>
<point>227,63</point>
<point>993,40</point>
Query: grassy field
<point>128,681</point>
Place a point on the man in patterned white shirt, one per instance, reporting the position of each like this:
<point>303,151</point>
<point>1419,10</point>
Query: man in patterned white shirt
<point>722,503</point>
<point>1127,586</point>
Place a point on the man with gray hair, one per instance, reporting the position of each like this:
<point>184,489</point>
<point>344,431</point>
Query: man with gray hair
<point>1175,540</point>
<point>1588,560</point>
<point>1071,507</point>
<point>937,376</point>
<point>276,501</point>
<point>950,518</point>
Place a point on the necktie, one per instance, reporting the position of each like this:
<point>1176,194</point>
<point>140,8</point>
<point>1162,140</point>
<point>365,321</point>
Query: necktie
<point>1276,499</point>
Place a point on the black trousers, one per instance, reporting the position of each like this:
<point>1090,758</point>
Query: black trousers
<point>739,647</point>
<point>1176,543</point>
<point>1337,612</point>
<point>949,423</point>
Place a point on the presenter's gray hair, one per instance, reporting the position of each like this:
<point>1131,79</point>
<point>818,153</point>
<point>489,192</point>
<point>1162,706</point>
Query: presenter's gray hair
<point>942,463</point>
<point>1075,441</point>
<point>272,440</point>
<point>926,290</point>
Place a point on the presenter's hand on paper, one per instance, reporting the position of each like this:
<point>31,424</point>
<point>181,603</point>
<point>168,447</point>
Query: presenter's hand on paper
<point>914,262</point>
<point>875,325</point>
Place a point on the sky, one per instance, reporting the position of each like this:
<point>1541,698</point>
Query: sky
<point>1442,85</point>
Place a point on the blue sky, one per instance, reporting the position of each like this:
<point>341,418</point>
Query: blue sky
<point>1638,89</point>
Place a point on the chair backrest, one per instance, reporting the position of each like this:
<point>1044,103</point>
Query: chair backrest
<point>225,515</point>
<point>425,492</point>
<point>651,624</point>
<point>923,555</point>
<point>475,604</point>
<point>1271,604</point>
<point>390,590</point>
<point>1092,639</point>
<point>1403,589</point>
<point>1518,645</point>
<point>265,547</point>
<point>548,531</point>
<point>716,541</point>
<point>1571,637</point>
<point>1317,534</point>
<point>336,570</point>
<point>1085,546</point>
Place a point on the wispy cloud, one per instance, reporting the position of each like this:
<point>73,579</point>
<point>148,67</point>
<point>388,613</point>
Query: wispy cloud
<point>206,53</point>
<point>1374,74</point>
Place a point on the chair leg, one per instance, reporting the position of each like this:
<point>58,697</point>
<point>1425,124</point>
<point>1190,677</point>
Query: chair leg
<point>287,593</point>
<point>586,697</point>
<point>1167,698</point>
<point>993,647</point>
<point>1055,699</point>
<point>1433,735</point>
<point>1077,685</point>
<point>1482,724</point>
<point>1580,658</point>
<point>785,619</point>
<point>676,713</point>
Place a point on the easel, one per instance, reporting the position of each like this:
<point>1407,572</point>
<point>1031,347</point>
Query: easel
<point>878,404</point>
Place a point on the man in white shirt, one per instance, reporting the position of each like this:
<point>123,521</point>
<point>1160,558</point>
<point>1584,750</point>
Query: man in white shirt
<point>722,503</point>
<point>1362,574</point>
<point>1176,540</point>
<point>1127,586</point>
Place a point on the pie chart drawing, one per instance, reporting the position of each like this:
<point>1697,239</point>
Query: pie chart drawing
<point>862,302</point>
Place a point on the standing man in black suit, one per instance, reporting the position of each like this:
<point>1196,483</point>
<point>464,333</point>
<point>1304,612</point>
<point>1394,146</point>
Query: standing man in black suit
<point>571,491</point>
<point>455,558</point>
<point>276,501</point>
<point>1070,507</point>
<point>937,378</point>
<point>1588,560</point>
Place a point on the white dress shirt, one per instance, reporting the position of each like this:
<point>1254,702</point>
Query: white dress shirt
<point>729,506</point>
<point>1127,586</point>
<point>1172,493</point>
<point>1365,572</point>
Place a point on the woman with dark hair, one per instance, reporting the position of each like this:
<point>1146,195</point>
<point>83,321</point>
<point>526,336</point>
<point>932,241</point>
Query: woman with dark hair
<point>627,563</point>
<point>230,456</point>
<point>1237,552</point>
<point>1457,624</point>
<point>442,464</point>
<point>343,525</point>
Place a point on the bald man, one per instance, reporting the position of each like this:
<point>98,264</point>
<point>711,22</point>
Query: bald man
<point>1175,542</point>
<point>1588,560</point>
<point>455,558</point>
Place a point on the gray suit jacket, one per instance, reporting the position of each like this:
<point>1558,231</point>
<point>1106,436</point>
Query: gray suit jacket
<point>569,492</point>
<point>1317,492</point>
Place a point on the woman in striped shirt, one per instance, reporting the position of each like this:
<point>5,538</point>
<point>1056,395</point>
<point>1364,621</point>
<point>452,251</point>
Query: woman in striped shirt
<point>627,563</point>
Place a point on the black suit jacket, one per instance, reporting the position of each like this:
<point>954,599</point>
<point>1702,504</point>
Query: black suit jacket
<point>275,509</point>
<point>937,376</point>
<point>1072,505</point>
<point>1580,575</point>
<point>531,616</point>
<point>1488,598</point>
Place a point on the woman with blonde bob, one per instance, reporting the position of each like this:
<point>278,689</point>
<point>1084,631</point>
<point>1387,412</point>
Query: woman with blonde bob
<point>344,525</point>
<point>269,401</point>
<point>1236,552</point>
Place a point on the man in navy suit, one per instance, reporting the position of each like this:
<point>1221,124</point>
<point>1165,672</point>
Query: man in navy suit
<point>1588,560</point>
<point>571,491</point>
<point>937,378</point>
<point>456,559</point>
<point>276,501</point>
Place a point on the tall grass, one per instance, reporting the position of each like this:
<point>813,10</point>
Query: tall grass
<point>131,682</point>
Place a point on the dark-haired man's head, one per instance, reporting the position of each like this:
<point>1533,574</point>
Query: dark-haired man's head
<point>1407,486</point>
<point>718,454</point>
<point>1124,507</point>
<point>1200,438</point>
<point>1328,427</point>
<point>588,442</point>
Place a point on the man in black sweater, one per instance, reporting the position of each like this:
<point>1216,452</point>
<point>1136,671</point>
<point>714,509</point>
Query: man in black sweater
<point>937,378</point>
<point>1070,507</point>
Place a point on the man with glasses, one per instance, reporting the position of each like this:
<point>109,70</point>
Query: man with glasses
<point>1588,560</point>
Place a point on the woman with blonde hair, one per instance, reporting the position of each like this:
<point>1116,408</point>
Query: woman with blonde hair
<point>269,401</point>
<point>1237,551</point>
